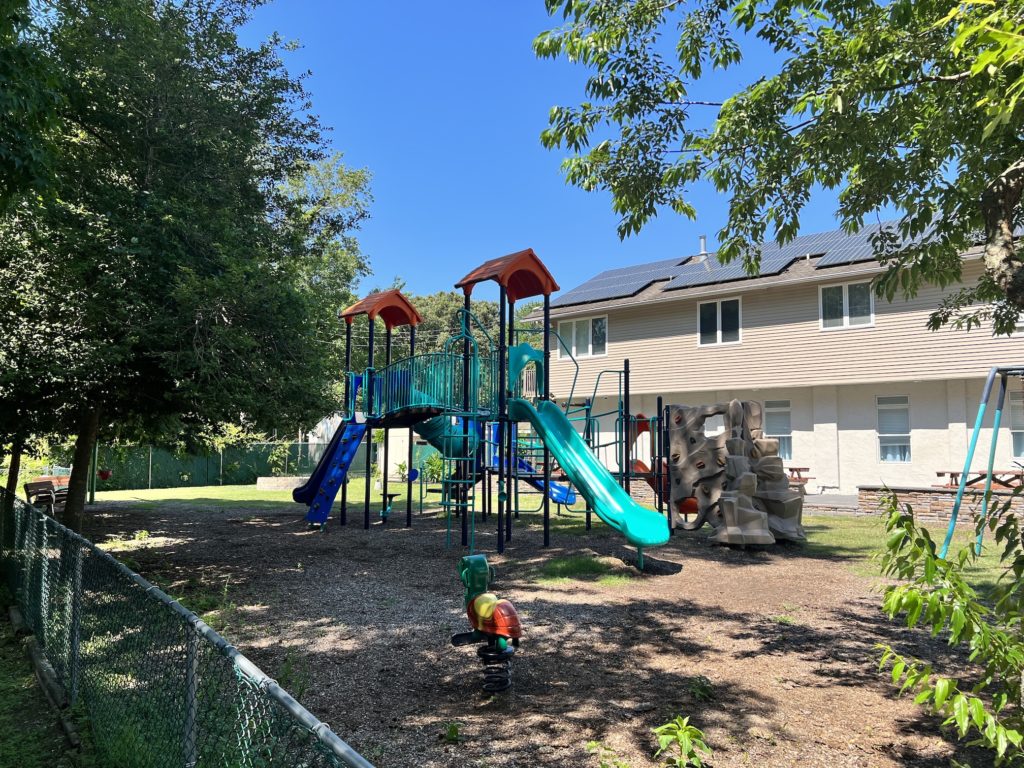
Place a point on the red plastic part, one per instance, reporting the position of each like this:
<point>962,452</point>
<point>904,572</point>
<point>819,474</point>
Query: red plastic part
<point>391,306</point>
<point>503,622</point>
<point>522,273</point>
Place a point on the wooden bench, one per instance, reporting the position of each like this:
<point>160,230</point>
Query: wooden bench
<point>45,492</point>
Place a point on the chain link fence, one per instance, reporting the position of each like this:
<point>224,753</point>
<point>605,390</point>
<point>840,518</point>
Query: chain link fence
<point>161,689</point>
<point>134,467</point>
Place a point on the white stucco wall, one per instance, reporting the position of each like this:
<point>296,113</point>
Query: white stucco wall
<point>834,430</point>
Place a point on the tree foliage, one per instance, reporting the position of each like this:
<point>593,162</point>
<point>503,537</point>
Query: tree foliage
<point>28,102</point>
<point>188,269</point>
<point>442,319</point>
<point>982,702</point>
<point>911,105</point>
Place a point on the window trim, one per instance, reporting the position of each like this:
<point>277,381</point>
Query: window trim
<point>765,408</point>
<point>879,435</point>
<point>846,306</point>
<point>590,337</point>
<point>718,303</point>
<point>1019,397</point>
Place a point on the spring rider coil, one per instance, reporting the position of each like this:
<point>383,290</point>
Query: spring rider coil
<point>495,624</point>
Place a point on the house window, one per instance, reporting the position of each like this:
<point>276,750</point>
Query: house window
<point>847,306</point>
<point>777,426</point>
<point>893,429</point>
<point>587,337</point>
<point>719,322</point>
<point>1017,423</point>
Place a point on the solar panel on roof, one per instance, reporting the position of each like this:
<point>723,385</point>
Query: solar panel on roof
<point>619,283</point>
<point>711,271</point>
<point>849,249</point>
<point>835,248</point>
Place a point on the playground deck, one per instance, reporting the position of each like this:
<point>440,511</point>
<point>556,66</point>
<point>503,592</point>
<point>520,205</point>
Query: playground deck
<point>361,620</point>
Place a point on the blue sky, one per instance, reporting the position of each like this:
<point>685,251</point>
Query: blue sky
<point>444,103</point>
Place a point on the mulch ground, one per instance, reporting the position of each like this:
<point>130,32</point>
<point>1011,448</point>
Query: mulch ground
<point>771,652</point>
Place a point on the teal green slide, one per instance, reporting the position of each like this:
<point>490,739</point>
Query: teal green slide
<point>641,527</point>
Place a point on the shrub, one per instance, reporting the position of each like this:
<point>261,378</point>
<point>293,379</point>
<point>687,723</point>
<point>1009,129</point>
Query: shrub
<point>933,592</point>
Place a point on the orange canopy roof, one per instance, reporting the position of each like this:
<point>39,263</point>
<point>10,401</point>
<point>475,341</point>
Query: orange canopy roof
<point>522,274</point>
<point>391,306</point>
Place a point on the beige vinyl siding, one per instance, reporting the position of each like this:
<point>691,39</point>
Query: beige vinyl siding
<point>784,346</point>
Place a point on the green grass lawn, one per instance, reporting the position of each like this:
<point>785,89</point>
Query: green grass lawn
<point>859,539</point>
<point>242,496</point>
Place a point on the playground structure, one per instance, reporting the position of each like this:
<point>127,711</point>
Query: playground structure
<point>1003,373</point>
<point>476,404</point>
<point>736,477</point>
<point>467,401</point>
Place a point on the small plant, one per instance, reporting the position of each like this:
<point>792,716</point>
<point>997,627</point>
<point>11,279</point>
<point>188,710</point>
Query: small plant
<point>701,688</point>
<point>680,744</point>
<point>141,535</point>
<point>403,471</point>
<point>452,733</point>
<point>606,757</point>
<point>277,461</point>
<point>294,674</point>
<point>433,467</point>
<point>784,618</point>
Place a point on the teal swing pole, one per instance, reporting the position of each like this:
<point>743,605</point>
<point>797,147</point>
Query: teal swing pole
<point>997,417</point>
<point>967,462</point>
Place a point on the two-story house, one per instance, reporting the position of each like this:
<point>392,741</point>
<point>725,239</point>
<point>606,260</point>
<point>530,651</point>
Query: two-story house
<point>855,388</point>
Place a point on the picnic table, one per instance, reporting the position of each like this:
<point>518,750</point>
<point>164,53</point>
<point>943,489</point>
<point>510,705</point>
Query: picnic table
<point>1007,478</point>
<point>797,476</point>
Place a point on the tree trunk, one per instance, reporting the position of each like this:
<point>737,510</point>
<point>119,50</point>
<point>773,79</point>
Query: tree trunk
<point>7,529</point>
<point>78,485</point>
<point>17,448</point>
<point>999,207</point>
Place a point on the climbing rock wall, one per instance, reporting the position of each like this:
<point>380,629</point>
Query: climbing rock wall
<point>736,476</point>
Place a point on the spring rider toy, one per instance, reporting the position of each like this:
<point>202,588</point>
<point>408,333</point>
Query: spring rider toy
<point>495,624</point>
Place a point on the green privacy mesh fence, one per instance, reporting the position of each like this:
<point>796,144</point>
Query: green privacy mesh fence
<point>133,467</point>
<point>160,687</point>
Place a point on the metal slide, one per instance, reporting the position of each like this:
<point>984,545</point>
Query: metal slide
<point>330,473</point>
<point>641,527</point>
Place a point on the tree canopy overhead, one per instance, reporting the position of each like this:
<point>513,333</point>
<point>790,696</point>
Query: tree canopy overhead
<point>911,105</point>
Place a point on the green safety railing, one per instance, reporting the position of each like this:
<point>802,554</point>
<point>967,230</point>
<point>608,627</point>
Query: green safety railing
<point>433,380</point>
<point>161,689</point>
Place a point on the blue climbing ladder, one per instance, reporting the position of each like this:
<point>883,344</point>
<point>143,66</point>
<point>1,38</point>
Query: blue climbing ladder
<point>344,450</point>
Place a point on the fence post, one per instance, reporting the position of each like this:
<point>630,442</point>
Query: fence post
<point>189,737</point>
<point>149,482</point>
<point>75,623</point>
<point>220,473</point>
<point>43,598</point>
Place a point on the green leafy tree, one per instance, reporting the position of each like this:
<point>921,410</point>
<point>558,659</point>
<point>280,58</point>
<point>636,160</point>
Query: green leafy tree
<point>442,319</point>
<point>199,241</point>
<point>28,102</point>
<point>910,104</point>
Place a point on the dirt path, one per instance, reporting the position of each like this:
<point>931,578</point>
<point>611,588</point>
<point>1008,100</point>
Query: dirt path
<point>771,652</point>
